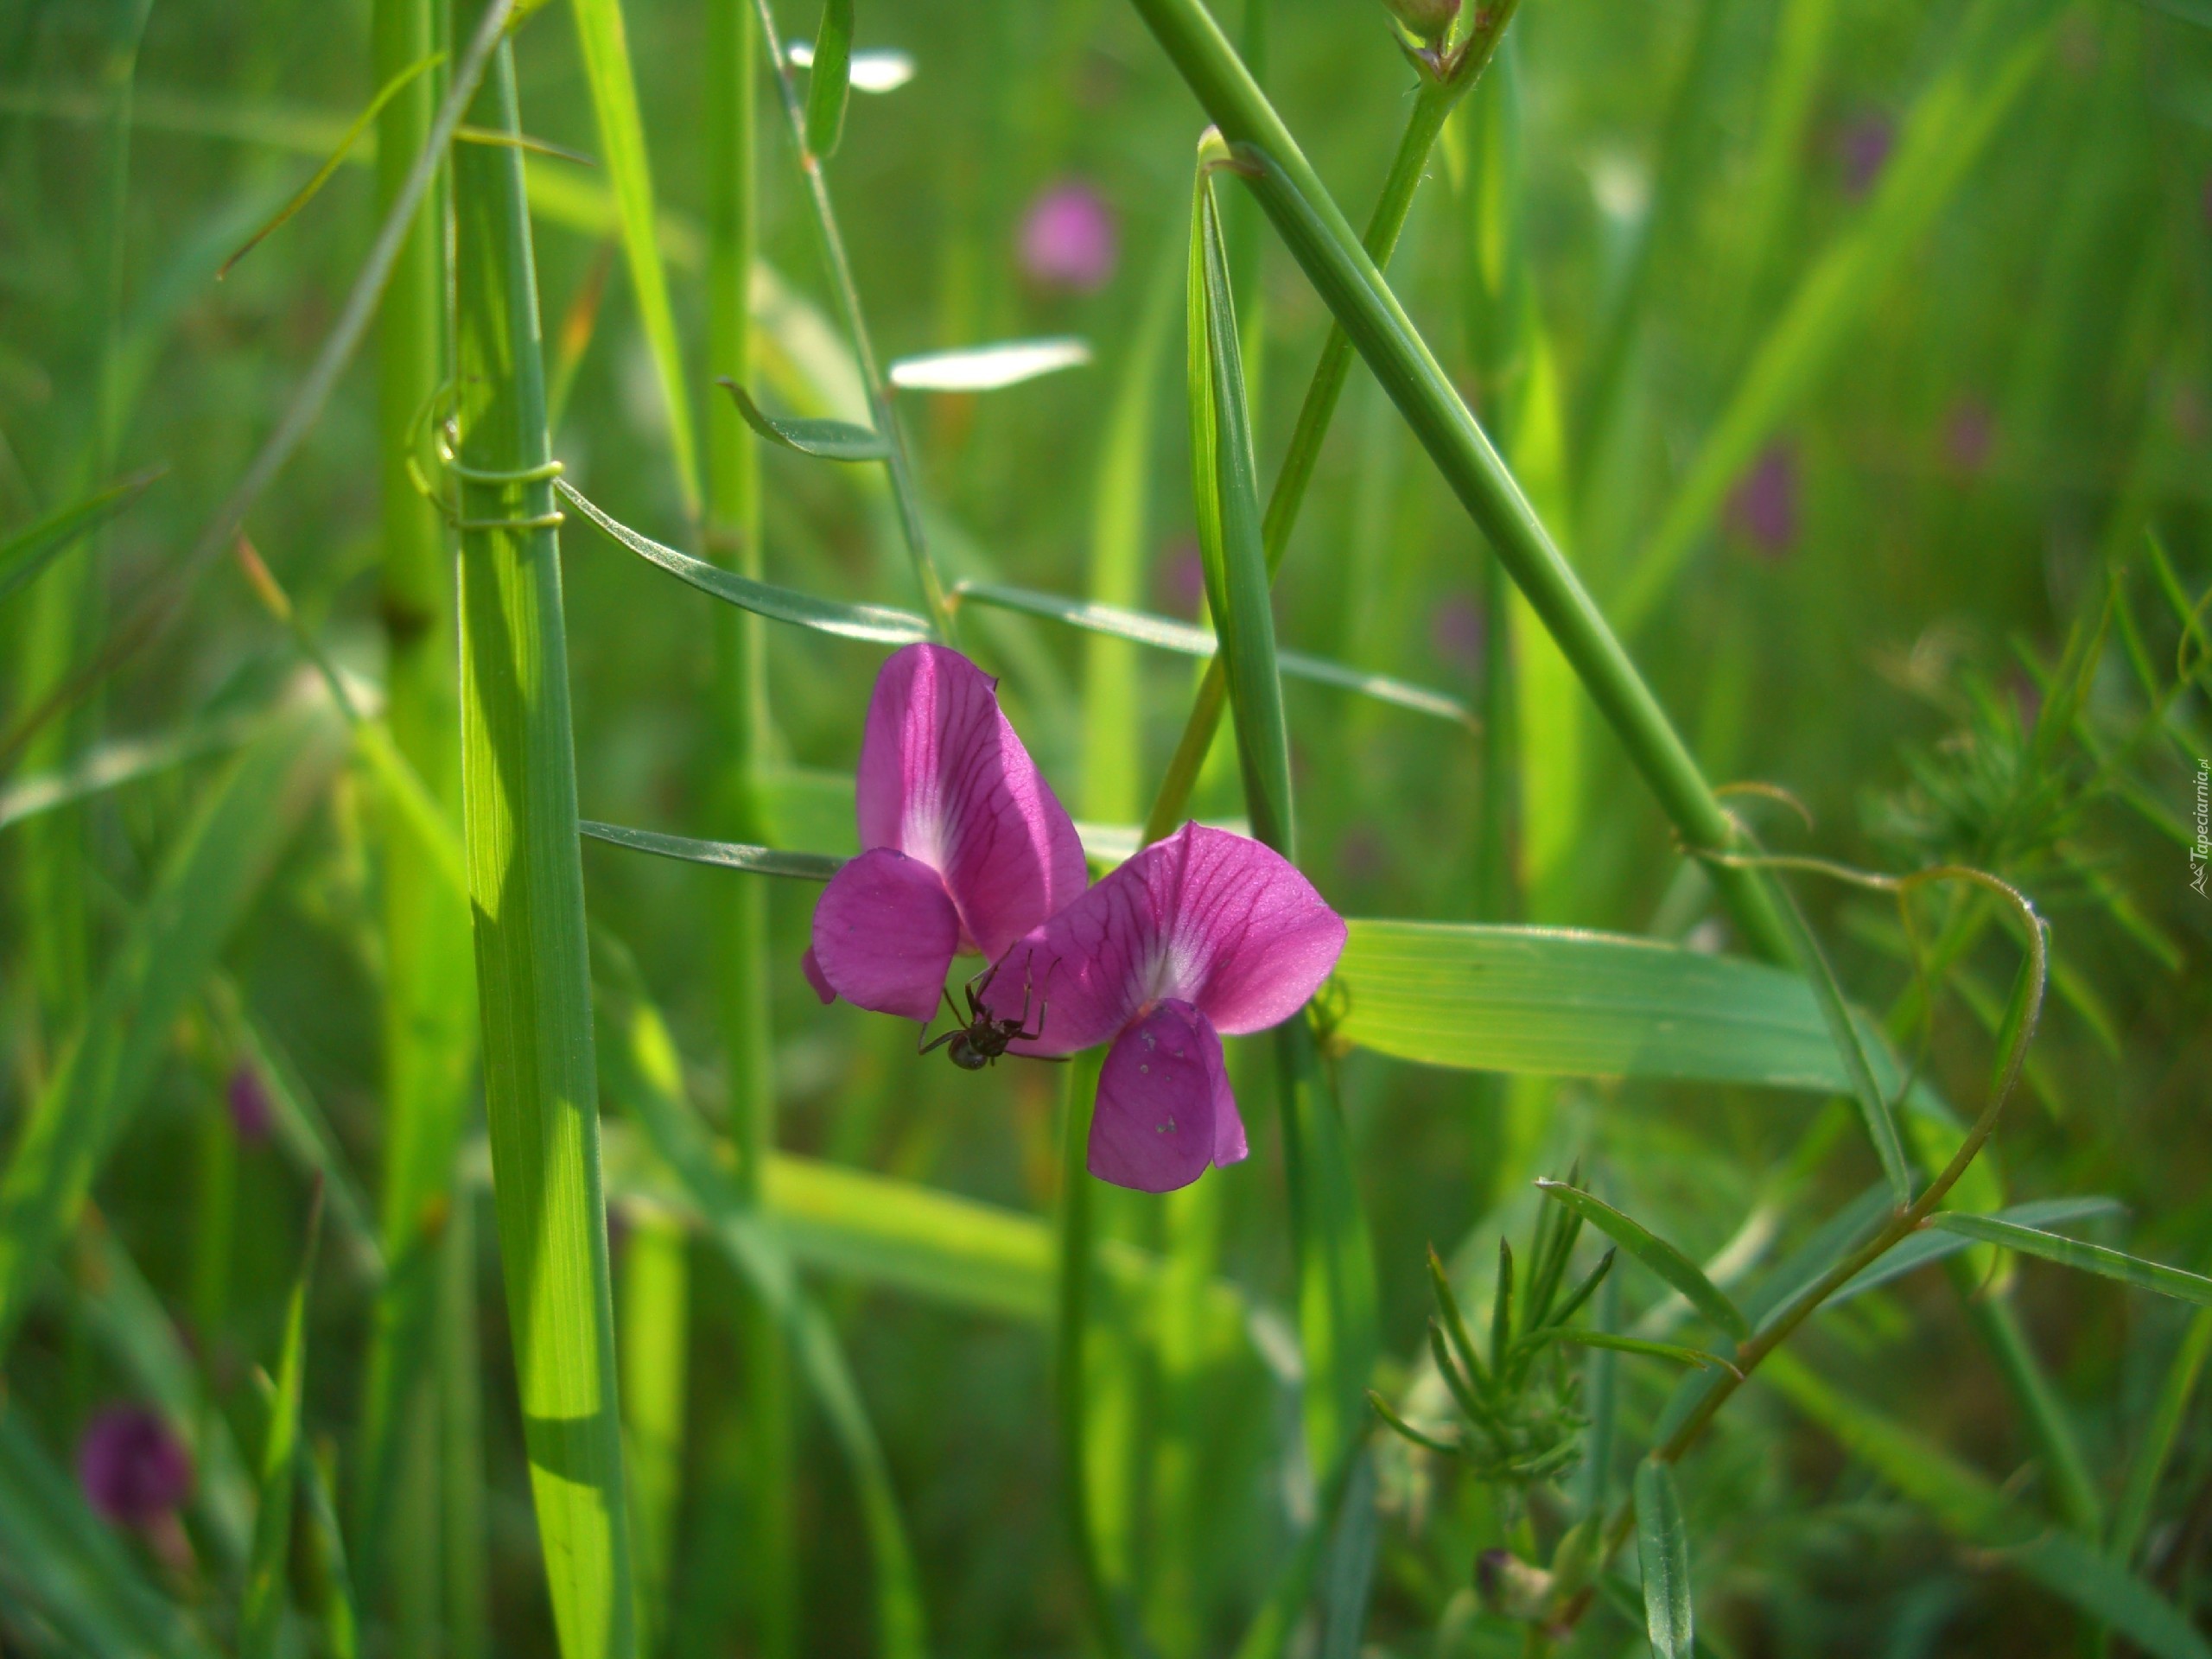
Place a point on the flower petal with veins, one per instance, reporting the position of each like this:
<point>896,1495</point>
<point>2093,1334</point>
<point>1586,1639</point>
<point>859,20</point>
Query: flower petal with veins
<point>944,780</point>
<point>1155,1126</point>
<point>885,931</point>
<point>1206,917</point>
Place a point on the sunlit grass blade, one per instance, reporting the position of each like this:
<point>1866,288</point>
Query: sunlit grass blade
<point>1656,1253</point>
<point>2099,1259</point>
<point>652,1305</point>
<point>877,623</point>
<point>120,761</point>
<point>1933,1245</point>
<point>261,1617</point>
<point>392,87</point>
<point>989,368</point>
<point>526,892</point>
<point>72,1571</point>
<point>29,551</point>
<point>606,50</point>
<point>724,854</point>
<point>1164,633</point>
<point>1974,1509</point>
<point>217,862</point>
<point>879,69</point>
<point>826,440</point>
<point>1662,1551</point>
<point>829,68</point>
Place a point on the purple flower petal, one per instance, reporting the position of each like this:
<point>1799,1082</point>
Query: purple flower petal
<point>885,932</point>
<point>133,1470</point>
<point>1211,919</point>
<point>1157,1124</point>
<point>944,780</point>
<point>810,965</point>
<point>1069,239</point>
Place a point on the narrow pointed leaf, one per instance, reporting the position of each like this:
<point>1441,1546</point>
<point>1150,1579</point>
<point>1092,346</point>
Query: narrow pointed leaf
<point>1702,1358</point>
<point>1662,1551</point>
<point>826,440</point>
<point>2075,1253</point>
<point>828,79</point>
<point>881,69</point>
<point>1656,1253</point>
<point>29,551</point>
<point>724,854</point>
<point>261,1621</point>
<point>1932,1244</point>
<point>989,368</point>
<point>877,623</point>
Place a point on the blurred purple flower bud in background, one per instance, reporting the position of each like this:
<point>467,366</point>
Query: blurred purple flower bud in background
<point>1863,147</point>
<point>1182,577</point>
<point>1762,508</point>
<point>1069,240</point>
<point>1970,434</point>
<point>253,1114</point>
<point>1458,634</point>
<point>133,1470</point>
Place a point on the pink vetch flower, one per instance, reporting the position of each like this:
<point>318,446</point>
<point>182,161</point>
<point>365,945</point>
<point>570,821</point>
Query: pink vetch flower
<point>967,847</point>
<point>252,1115</point>
<point>1762,508</point>
<point>133,1469</point>
<point>1069,240</point>
<point>1203,935</point>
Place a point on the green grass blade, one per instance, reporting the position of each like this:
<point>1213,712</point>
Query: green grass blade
<point>829,74</point>
<point>526,891</point>
<point>244,818</point>
<point>825,440</point>
<point>398,83</point>
<point>606,49</point>
<point>1656,1253</point>
<point>653,1304</point>
<point>989,368</point>
<point>119,761</point>
<point>2131,1520</point>
<point>326,1594</point>
<point>1974,1508</point>
<point>71,1569</point>
<point>1662,1552</point>
<point>724,854</point>
<point>1933,1245</point>
<point>1164,633</point>
<point>2076,1253</point>
<point>29,551</point>
<point>876,623</point>
<point>261,1618</point>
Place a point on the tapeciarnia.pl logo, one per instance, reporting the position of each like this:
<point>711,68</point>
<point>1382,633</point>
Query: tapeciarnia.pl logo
<point>2202,851</point>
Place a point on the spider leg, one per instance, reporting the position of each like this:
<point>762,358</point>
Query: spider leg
<point>920,1048</point>
<point>924,1031</point>
<point>1021,1036</point>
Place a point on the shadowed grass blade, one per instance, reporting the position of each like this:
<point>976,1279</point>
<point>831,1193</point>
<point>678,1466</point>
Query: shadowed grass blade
<point>1701,1358</point>
<point>244,818</point>
<point>1656,1253</point>
<point>119,761</point>
<point>1931,1245</point>
<point>1662,1551</point>
<point>877,623</point>
<point>261,1620</point>
<point>28,552</point>
<point>2105,1262</point>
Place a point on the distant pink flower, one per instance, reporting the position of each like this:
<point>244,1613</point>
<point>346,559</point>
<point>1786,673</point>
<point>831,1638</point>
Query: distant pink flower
<point>1970,434</point>
<point>1762,508</point>
<point>133,1470</point>
<point>1863,149</point>
<point>1069,240</point>
<point>1182,576</point>
<point>967,846</point>
<point>1457,633</point>
<point>252,1115</point>
<point>1203,934</point>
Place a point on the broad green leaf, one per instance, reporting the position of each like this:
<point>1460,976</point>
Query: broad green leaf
<point>829,79</point>
<point>827,440</point>
<point>724,854</point>
<point>1976,1510</point>
<point>1166,634</point>
<point>244,818</point>
<point>392,88</point>
<point>1567,1003</point>
<point>1933,1245</point>
<point>1656,1253</point>
<point>989,368</point>
<point>877,623</point>
<point>881,69</point>
<point>1662,1552</point>
<point>72,1569</point>
<point>606,51</point>
<point>2076,1253</point>
<point>261,1620</point>
<point>28,551</point>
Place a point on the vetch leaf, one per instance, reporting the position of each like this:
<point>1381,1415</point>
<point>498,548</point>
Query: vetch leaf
<point>828,79</point>
<point>1662,1552</point>
<point>2076,1253</point>
<point>30,550</point>
<point>881,69</point>
<point>724,854</point>
<point>828,440</point>
<point>989,368</point>
<point>1932,1244</point>
<point>877,623</point>
<point>1656,1253</point>
<point>1679,1354</point>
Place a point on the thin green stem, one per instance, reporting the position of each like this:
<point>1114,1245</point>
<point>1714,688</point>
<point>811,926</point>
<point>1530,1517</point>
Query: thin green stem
<point>1346,278</point>
<point>881,410</point>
